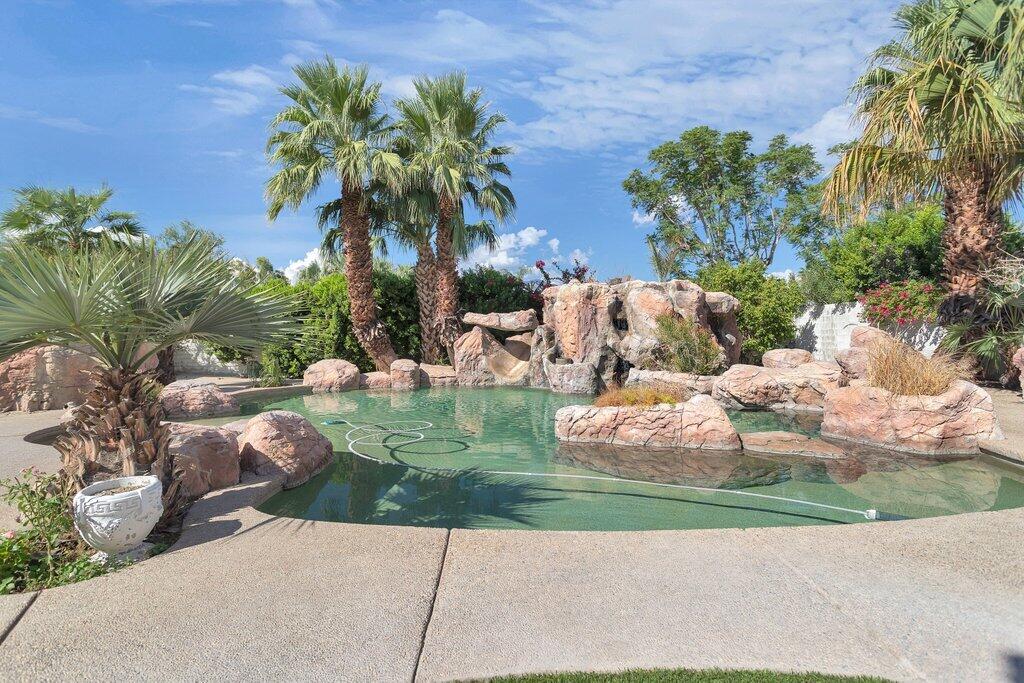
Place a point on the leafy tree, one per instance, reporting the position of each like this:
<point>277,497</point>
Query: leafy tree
<point>768,304</point>
<point>335,124</point>
<point>716,200</point>
<point>54,220</point>
<point>446,133</point>
<point>123,304</point>
<point>488,290</point>
<point>943,117</point>
<point>265,270</point>
<point>175,236</point>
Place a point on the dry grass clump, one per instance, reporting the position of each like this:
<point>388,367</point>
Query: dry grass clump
<point>638,396</point>
<point>904,371</point>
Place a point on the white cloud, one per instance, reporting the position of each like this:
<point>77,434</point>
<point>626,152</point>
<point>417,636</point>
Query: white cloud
<point>252,77</point>
<point>642,218</point>
<point>786,274</point>
<point>553,245</point>
<point>508,252</point>
<point>835,125</point>
<point>292,270</point>
<point>228,100</point>
<point>68,123</point>
<point>579,255</point>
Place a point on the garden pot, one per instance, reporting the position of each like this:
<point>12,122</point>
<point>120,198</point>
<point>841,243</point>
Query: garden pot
<point>117,522</point>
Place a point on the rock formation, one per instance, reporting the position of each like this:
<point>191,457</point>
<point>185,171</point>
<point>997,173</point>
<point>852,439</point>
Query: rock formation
<point>207,457</point>
<point>684,382</point>
<point>786,358</point>
<point>803,388</point>
<point>281,442</point>
<point>951,422</point>
<point>190,399</point>
<point>481,360</point>
<point>516,321</point>
<point>405,375</point>
<point>331,374</point>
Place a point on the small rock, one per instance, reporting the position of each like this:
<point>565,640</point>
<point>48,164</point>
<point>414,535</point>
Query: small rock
<point>854,362</point>
<point>676,381</point>
<point>280,442</point>
<point>437,375</point>
<point>331,374</point>
<point>207,457</point>
<point>786,358</point>
<point>575,378</point>
<point>405,375</point>
<point>377,379</point>
<point>803,388</point>
<point>190,399</point>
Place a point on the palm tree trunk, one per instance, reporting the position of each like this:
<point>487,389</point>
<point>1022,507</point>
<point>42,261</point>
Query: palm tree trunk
<point>446,321</point>
<point>119,430</point>
<point>425,273</point>
<point>355,230</point>
<point>165,365</point>
<point>972,238</point>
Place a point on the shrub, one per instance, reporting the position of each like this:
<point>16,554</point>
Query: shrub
<point>685,346</point>
<point>769,304</point>
<point>488,290</point>
<point>902,370</point>
<point>48,551</point>
<point>904,303</point>
<point>638,396</point>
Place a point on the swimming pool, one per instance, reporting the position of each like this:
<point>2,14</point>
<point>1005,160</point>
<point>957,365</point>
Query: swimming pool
<point>488,458</point>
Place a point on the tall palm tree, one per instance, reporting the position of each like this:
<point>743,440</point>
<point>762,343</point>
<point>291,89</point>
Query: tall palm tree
<point>943,117</point>
<point>335,123</point>
<point>446,131</point>
<point>66,219</point>
<point>123,304</point>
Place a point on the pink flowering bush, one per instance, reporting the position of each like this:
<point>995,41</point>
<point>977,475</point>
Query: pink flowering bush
<point>903,303</point>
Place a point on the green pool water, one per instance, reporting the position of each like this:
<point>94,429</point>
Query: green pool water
<point>478,467</point>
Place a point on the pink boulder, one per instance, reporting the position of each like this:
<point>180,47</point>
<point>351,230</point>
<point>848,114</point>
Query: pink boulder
<point>206,456</point>
<point>331,374</point>
<point>188,399</point>
<point>803,388</point>
<point>481,360</point>
<point>952,422</point>
<point>698,423</point>
<point>683,382</point>
<point>516,321</point>
<point>854,362</point>
<point>437,375</point>
<point>864,336</point>
<point>786,358</point>
<point>1018,362</point>
<point>280,442</point>
<point>375,380</point>
<point>789,443</point>
<point>405,375</point>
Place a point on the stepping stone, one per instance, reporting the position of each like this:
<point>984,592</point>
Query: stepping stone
<point>789,443</point>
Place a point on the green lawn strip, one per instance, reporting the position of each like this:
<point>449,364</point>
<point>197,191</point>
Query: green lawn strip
<point>687,676</point>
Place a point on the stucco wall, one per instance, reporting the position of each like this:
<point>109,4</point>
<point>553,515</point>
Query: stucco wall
<point>192,358</point>
<point>824,329</point>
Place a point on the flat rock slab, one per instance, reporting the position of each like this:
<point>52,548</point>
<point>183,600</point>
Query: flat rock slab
<point>789,443</point>
<point>516,321</point>
<point>902,600</point>
<point>280,599</point>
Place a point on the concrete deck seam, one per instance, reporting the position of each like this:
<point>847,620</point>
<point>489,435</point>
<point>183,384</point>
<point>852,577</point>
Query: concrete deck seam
<point>14,622</point>
<point>433,602</point>
<point>839,607</point>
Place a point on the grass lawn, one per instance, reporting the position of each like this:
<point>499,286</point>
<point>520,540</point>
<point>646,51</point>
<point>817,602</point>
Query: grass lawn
<point>688,676</point>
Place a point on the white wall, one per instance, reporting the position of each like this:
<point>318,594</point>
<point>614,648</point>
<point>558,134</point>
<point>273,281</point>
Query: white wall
<point>824,329</point>
<point>192,358</point>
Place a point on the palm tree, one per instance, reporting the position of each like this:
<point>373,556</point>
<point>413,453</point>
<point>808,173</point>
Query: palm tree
<point>446,131</point>
<point>943,117</point>
<point>66,219</point>
<point>123,304</point>
<point>335,124</point>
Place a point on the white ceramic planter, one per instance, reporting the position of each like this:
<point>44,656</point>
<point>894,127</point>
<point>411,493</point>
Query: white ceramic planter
<point>120,521</point>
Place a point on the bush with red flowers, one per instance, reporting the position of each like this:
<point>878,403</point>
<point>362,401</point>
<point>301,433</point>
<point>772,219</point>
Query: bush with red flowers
<point>909,302</point>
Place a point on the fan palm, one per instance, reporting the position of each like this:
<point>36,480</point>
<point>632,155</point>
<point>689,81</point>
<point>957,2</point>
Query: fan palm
<point>66,219</point>
<point>122,305</point>
<point>446,132</point>
<point>335,124</point>
<point>943,117</point>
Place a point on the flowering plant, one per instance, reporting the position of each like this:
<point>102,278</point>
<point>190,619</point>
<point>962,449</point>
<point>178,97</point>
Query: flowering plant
<point>903,303</point>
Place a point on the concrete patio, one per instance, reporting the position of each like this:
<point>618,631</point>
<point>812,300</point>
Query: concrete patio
<point>244,596</point>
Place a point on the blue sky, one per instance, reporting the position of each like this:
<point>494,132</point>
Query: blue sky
<point>168,100</point>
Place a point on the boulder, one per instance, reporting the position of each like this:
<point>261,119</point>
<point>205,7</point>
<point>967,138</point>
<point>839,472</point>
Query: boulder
<point>676,381</point>
<point>571,378</point>
<point>481,360</point>
<point>516,321</point>
<point>331,374</point>
<point>207,456</point>
<point>542,348</point>
<point>803,388</point>
<point>722,311</point>
<point>789,443</point>
<point>853,362</point>
<point>235,427</point>
<point>582,317</point>
<point>280,442</point>
<point>189,399</point>
<point>437,375</point>
<point>863,336</point>
<point>405,375</point>
<point>48,378</point>
<point>951,422</point>
<point>1018,362</point>
<point>786,358</point>
<point>378,379</point>
<point>698,423</point>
